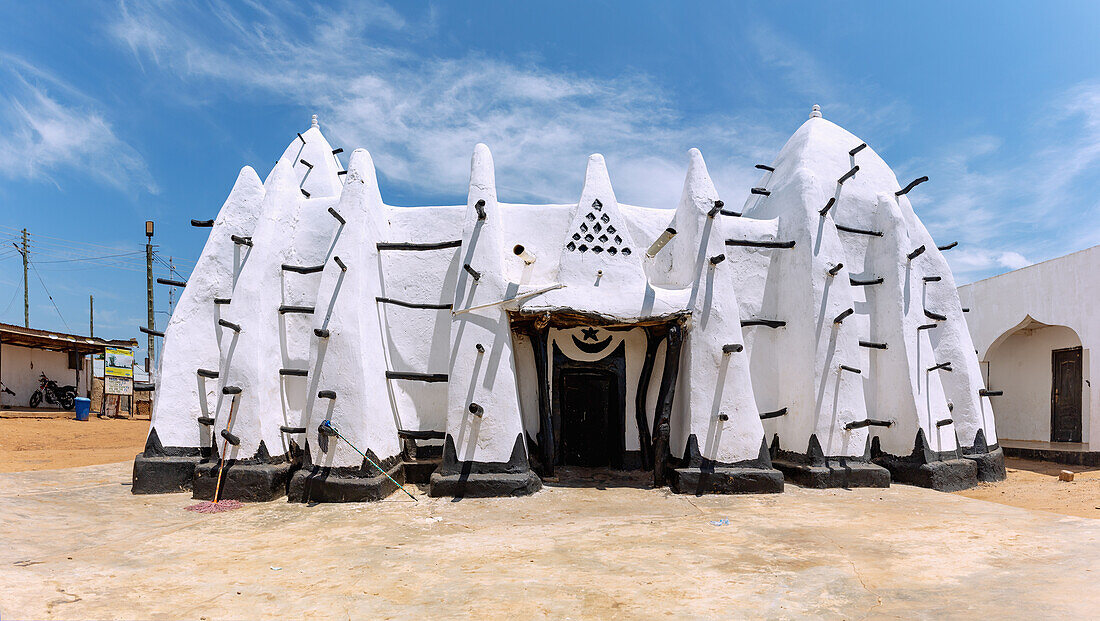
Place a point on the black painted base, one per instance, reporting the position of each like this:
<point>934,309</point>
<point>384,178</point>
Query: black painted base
<point>163,475</point>
<point>485,485</point>
<point>474,479</point>
<point>726,480</point>
<point>419,471</point>
<point>991,465</point>
<point>845,473</point>
<point>243,482</point>
<point>322,485</point>
<point>949,475</point>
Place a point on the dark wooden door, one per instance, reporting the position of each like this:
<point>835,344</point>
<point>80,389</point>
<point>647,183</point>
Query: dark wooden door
<point>587,403</point>
<point>1065,396</point>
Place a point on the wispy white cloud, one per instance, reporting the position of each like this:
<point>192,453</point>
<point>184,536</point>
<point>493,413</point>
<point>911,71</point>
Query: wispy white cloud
<point>420,116</point>
<point>1009,210</point>
<point>806,76</point>
<point>47,126</point>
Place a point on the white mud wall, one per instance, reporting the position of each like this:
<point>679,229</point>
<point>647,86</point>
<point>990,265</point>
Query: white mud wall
<point>419,339</point>
<point>795,366</point>
<point>191,337</point>
<point>350,360</point>
<point>823,151</point>
<point>293,230</point>
<point>484,376</point>
<point>714,399</point>
<point>808,351</point>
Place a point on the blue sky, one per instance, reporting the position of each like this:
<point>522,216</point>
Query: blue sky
<point>115,113</point>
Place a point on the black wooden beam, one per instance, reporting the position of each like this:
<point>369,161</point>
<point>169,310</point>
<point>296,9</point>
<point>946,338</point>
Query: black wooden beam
<point>769,323</point>
<point>296,310</point>
<point>912,184</point>
<point>303,269</point>
<point>852,229</point>
<point>773,414</point>
<point>869,422</point>
<point>454,243</point>
<point>863,283</point>
<point>418,377</point>
<point>409,434</point>
<point>760,243</point>
<point>413,304</point>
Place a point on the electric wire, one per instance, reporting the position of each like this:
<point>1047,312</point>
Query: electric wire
<point>49,295</point>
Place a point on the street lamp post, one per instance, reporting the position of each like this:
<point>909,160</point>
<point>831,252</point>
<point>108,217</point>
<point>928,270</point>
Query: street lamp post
<point>149,292</point>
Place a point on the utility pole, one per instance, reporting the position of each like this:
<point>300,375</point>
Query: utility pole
<point>149,291</point>
<point>91,316</point>
<point>26,289</point>
<point>171,290</point>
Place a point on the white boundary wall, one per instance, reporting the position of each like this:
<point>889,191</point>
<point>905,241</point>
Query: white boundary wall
<point>1058,292</point>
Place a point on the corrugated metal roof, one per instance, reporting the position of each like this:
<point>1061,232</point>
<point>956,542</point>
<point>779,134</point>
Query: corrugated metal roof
<point>56,341</point>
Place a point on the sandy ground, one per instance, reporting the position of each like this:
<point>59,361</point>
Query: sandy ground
<point>78,545</point>
<point>47,444</point>
<point>1035,485</point>
<point>50,443</point>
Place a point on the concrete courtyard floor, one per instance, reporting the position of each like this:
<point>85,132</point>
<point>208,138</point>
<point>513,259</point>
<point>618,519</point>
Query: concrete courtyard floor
<point>75,544</point>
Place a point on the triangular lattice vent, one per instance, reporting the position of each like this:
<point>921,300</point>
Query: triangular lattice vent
<point>597,233</point>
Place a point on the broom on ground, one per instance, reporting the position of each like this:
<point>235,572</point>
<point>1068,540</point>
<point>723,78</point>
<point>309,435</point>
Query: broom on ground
<point>207,506</point>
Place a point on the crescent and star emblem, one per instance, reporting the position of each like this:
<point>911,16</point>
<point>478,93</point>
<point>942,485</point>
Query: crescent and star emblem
<point>591,348</point>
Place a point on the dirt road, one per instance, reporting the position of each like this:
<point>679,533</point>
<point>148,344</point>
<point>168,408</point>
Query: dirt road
<point>51,443</point>
<point>78,545</point>
<point>1035,485</point>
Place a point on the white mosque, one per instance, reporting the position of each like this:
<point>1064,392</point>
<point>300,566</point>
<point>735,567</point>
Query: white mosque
<point>329,346</point>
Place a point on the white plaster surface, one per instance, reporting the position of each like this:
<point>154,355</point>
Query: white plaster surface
<point>486,378</point>
<point>812,163</point>
<point>294,230</point>
<point>712,384</point>
<point>191,337</point>
<point>347,362</point>
<point>795,366</point>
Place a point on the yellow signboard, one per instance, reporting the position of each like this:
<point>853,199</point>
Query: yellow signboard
<point>118,362</point>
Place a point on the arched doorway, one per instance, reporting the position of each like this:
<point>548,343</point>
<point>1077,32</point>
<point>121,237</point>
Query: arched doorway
<point>1040,369</point>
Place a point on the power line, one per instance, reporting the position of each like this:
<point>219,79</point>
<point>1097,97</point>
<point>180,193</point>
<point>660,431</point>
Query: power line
<point>66,251</point>
<point>14,293</point>
<point>106,256</point>
<point>16,235</point>
<point>67,242</point>
<point>72,250</point>
<point>50,296</point>
<point>171,268</point>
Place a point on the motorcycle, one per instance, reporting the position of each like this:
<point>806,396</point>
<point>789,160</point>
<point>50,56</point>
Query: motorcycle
<point>65,396</point>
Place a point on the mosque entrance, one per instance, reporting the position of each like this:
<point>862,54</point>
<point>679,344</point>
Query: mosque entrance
<point>587,415</point>
<point>588,408</point>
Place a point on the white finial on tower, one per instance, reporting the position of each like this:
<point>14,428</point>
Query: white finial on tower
<point>814,114</point>
<point>315,120</point>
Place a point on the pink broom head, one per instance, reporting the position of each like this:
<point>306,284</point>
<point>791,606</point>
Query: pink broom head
<point>215,507</point>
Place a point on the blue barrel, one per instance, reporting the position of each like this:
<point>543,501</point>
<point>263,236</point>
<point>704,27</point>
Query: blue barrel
<point>83,406</point>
